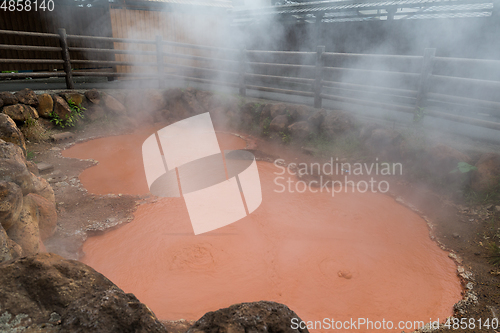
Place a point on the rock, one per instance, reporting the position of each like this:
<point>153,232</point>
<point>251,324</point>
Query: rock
<point>20,112</point>
<point>265,115</point>
<point>47,219</point>
<point>45,105</point>
<point>94,112</point>
<point>442,159</point>
<point>299,112</point>
<point>11,151</point>
<point>279,124</point>
<point>155,101</point>
<point>113,105</point>
<point>250,113</point>
<point>64,136</point>
<point>61,108</point>
<point>93,96</point>
<point>8,98</point>
<point>316,118</point>
<point>367,130</point>
<point>27,96</point>
<point>25,231</point>
<point>204,98</point>
<point>335,123</point>
<point>16,172</point>
<point>7,251</point>
<point>487,175</point>
<point>31,166</point>
<point>1,103</point>
<point>51,290</point>
<point>278,110</point>
<point>76,98</point>
<point>386,143</point>
<point>9,132</point>
<point>497,209</point>
<point>300,130</point>
<point>44,167</point>
<point>42,187</point>
<point>11,202</point>
<point>260,316</point>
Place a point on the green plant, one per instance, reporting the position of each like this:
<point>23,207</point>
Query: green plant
<point>34,131</point>
<point>285,137</point>
<point>30,155</point>
<point>265,126</point>
<point>463,167</point>
<point>419,115</point>
<point>494,257</point>
<point>70,120</point>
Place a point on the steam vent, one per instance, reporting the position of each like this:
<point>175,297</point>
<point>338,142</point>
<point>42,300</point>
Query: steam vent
<point>248,166</point>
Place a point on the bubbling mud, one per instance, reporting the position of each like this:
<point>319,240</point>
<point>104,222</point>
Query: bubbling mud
<point>355,255</point>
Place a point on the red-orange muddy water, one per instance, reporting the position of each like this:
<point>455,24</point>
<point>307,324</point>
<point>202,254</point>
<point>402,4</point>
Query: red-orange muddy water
<point>351,256</point>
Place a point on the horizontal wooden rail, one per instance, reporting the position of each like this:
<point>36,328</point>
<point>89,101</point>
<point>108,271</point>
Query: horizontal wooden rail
<point>193,57</point>
<point>281,78</point>
<point>28,34</point>
<point>383,90</point>
<point>279,65</point>
<point>31,75</point>
<point>31,61</point>
<point>376,96</point>
<point>282,91</point>
<point>114,63</point>
<point>401,108</point>
<point>30,48</point>
<point>341,70</point>
<point>466,101</point>
<point>111,39</point>
<point>200,47</point>
<point>117,51</point>
<point>360,56</point>
<point>285,53</point>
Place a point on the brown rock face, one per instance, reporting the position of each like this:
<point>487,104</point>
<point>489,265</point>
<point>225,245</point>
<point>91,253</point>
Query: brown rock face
<point>42,187</point>
<point>69,296</point>
<point>299,112</point>
<point>11,202</point>
<point>76,98</point>
<point>8,248</point>
<point>278,109</point>
<point>11,151</point>
<point>61,108</point>
<point>300,130</point>
<point>16,172</point>
<point>47,220</point>
<point>93,96</point>
<point>25,231</point>
<point>10,133</point>
<point>45,105</point>
<point>20,112</point>
<point>487,175</point>
<point>317,117</point>
<point>386,142</point>
<point>260,316</point>
<point>27,96</point>
<point>336,122</point>
<point>113,105</point>
<point>8,98</point>
<point>279,123</point>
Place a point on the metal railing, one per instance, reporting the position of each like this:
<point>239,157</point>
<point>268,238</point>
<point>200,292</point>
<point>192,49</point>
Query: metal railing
<point>463,90</point>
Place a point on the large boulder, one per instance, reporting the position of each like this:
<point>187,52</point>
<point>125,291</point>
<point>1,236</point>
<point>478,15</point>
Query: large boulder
<point>300,130</point>
<point>8,248</point>
<point>93,96</point>
<point>11,203</point>
<point>279,124</point>
<point>94,112</point>
<point>27,96</point>
<point>386,143</point>
<point>278,109</point>
<point>260,316</point>
<point>9,132</point>
<point>299,112</point>
<point>335,123</point>
<point>442,159</point>
<point>16,172</point>
<point>20,112</point>
<point>61,107</point>
<point>317,117</point>
<point>487,175</point>
<point>47,219</point>
<point>8,98</point>
<point>47,292</point>
<point>25,232</point>
<point>45,105</point>
<point>113,105</point>
<point>73,97</point>
<point>11,151</point>
<point>42,187</point>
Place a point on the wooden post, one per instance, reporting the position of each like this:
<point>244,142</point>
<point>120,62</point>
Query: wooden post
<point>242,71</point>
<point>65,56</point>
<point>423,84</point>
<point>159,60</point>
<point>319,77</point>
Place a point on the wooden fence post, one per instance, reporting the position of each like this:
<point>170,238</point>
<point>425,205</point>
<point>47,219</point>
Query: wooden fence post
<point>242,70</point>
<point>318,77</point>
<point>423,84</point>
<point>159,61</point>
<point>67,61</point>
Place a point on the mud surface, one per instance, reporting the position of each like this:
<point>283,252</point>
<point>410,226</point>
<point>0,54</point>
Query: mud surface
<point>353,255</point>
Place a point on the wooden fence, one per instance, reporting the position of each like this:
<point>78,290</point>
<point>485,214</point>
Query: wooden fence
<point>463,90</point>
